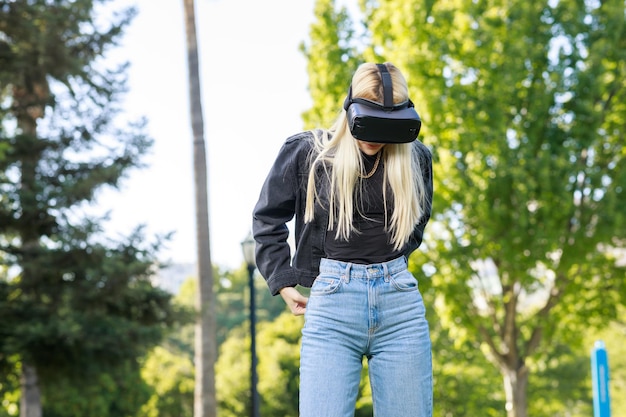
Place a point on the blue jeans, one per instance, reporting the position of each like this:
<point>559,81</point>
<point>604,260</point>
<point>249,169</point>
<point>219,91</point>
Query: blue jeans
<point>373,311</point>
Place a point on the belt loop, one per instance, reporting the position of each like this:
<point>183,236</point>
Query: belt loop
<point>386,272</point>
<point>346,273</point>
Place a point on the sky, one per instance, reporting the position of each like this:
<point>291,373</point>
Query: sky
<point>254,89</point>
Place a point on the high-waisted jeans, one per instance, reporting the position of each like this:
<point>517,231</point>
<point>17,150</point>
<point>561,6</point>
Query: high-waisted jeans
<point>373,311</point>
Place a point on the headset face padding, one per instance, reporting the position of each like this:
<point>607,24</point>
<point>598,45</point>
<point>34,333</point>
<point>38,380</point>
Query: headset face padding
<point>382,123</point>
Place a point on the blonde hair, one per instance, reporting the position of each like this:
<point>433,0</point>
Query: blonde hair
<point>337,148</point>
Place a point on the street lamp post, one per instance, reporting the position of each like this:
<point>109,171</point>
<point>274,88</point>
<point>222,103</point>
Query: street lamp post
<point>248,246</point>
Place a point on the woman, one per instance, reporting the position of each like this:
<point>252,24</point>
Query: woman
<point>361,196</point>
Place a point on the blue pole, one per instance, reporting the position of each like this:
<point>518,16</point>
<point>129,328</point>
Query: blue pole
<point>600,380</point>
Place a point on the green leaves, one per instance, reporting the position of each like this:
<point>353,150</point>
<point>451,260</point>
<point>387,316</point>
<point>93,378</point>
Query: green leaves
<point>523,106</point>
<point>80,307</point>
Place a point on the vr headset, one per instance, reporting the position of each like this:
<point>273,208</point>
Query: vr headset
<point>370,121</point>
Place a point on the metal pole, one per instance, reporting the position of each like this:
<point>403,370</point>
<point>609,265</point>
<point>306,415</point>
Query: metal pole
<point>600,380</point>
<point>253,361</point>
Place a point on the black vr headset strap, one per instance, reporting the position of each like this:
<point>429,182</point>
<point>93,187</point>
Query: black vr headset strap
<point>348,100</point>
<point>387,87</point>
<point>387,94</point>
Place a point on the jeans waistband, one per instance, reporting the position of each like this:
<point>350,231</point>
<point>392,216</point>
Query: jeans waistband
<point>360,271</point>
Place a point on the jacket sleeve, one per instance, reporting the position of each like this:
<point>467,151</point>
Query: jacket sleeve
<point>426,164</point>
<point>275,207</point>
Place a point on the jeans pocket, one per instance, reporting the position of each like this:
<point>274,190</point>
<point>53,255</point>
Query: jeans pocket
<point>325,285</point>
<point>404,281</point>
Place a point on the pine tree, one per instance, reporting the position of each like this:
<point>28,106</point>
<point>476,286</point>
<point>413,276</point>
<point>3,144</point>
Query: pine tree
<point>74,303</point>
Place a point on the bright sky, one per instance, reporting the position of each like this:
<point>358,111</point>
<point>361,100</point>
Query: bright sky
<point>254,89</point>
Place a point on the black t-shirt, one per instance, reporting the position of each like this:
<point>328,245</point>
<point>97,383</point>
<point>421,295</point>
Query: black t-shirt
<point>371,243</point>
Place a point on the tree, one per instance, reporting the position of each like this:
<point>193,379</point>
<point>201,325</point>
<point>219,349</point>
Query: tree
<point>117,391</point>
<point>334,47</point>
<point>172,377</point>
<point>233,299</point>
<point>166,369</point>
<point>206,345</point>
<point>75,303</point>
<point>331,60</point>
<point>522,104</point>
<point>278,369</point>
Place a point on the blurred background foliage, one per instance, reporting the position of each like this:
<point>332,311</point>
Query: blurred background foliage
<point>522,270</point>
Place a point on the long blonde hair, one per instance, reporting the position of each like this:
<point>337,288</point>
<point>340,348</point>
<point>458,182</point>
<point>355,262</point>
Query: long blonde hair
<point>337,148</point>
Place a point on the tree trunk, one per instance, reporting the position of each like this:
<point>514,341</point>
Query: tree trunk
<point>30,400</point>
<point>205,404</point>
<point>515,386</point>
<point>29,107</point>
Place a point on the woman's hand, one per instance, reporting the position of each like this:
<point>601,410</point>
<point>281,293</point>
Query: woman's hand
<point>294,300</point>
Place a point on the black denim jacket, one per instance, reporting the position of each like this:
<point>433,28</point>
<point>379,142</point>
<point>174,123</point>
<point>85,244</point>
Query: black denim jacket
<point>283,196</point>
